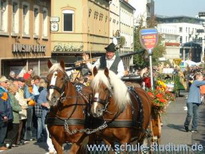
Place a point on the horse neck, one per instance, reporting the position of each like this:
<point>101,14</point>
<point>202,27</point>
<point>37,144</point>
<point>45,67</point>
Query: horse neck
<point>68,107</point>
<point>116,112</point>
<point>70,92</point>
<point>112,109</point>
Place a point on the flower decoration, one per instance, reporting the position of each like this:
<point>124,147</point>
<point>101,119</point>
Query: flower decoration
<point>4,96</point>
<point>160,96</point>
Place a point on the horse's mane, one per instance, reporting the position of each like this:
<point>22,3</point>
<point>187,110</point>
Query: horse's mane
<point>55,67</point>
<point>120,91</point>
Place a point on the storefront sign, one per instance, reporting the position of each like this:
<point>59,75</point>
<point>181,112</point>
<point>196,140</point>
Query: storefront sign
<point>26,48</point>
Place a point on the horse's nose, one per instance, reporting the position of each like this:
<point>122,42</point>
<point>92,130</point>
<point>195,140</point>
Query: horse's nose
<point>54,99</point>
<point>99,111</point>
<point>95,115</point>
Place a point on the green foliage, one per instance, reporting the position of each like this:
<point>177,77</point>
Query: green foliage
<point>139,59</point>
<point>142,60</point>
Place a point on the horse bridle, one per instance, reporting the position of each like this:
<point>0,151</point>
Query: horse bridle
<point>60,90</point>
<point>105,102</point>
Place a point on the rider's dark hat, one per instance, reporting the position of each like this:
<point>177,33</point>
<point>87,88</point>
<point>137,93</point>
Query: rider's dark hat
<point>111,47</point>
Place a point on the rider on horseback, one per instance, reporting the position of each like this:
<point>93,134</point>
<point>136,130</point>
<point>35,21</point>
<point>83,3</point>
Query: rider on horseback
<point>109,60</point>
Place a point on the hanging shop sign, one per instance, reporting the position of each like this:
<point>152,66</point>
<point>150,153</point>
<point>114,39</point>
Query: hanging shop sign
<point>27,48</point>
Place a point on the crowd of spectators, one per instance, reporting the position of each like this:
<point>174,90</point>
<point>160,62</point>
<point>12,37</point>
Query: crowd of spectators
<point>23,109</point>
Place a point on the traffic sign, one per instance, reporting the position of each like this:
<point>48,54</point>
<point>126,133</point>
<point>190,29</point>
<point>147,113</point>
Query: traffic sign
<point>148,38</point>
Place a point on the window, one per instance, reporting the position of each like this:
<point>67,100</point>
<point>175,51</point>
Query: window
<point>25,19</point>
<point>68,16</point>
<point>45,22</point>
<point>180,29</point>
<point>15,18</point>
<point>36,21</point>
<point>3,16</point>
<point>180,39</point>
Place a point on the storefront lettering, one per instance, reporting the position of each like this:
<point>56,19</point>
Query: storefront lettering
<point>26,48</point>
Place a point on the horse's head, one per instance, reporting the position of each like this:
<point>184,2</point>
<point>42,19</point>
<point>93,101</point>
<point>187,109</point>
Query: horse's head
<point>57,79</point>
<point>109,91</point>
<point>102,91</point>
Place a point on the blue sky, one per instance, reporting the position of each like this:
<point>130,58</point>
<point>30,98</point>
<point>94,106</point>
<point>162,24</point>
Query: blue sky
<point>179,7</point>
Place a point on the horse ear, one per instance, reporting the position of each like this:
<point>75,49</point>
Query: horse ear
<point>95,70</point>
<point>62,64</point>
<point>49,64</point>
<point>106,72</point>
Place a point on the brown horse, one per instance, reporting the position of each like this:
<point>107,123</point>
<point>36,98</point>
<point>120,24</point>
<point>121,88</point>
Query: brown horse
<point>127,112</point>
<point>66,119</point>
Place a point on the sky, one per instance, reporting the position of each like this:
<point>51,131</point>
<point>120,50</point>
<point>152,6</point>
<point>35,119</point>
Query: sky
<point>179,7</point>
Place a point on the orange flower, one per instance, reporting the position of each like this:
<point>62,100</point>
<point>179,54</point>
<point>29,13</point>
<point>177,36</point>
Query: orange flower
<point>150,94</point>
<point>163,100</point>
<point>4,96</point>
<point>158,88</point>
<point>160,95</point>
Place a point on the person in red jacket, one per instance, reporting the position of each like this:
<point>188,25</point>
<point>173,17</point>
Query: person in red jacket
<point>27,75</point>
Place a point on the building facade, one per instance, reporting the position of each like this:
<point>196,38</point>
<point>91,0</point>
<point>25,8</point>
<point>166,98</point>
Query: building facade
<point>144,10</point>
<point>114,19</point>
<point>79,27</point>
<point>126,26</point>
<point>24,36</point>
<point>171,40</point>
<point>181,30</point>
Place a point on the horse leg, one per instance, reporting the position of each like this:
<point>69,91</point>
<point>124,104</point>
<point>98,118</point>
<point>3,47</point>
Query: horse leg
<point>79,146</point>
<point>57,146</point>
<point>111,149</point>
<point>74,148</point>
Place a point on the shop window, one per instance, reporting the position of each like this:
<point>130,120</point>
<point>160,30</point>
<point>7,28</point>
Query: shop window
<point>34,65</point>
<point>45,23</point>
<point>43,68</point>
<point>39,67</point>
<point>68,20</point>
<point>36,21</point>
<point>15,17</point>
<point>25,19</point>
<point>3,16</point>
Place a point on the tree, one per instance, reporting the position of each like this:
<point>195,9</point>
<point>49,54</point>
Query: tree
<point>142,60</point>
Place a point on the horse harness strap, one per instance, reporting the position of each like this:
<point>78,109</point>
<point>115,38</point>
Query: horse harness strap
<point>60,90</point>
<point>112,122</point>
<point>60,122</point>
<point>137,119</point>
<point>120,123</point>
<point>135,122</point>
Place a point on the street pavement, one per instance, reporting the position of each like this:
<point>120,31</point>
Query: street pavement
<point>173,133</point>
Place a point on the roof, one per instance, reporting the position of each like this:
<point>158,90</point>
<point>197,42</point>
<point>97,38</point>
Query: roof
<point>127,4</point>
<point>178,19</point>
<point>191,44</point>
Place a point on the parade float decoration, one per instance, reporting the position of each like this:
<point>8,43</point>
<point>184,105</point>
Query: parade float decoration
<point>161,98</point>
